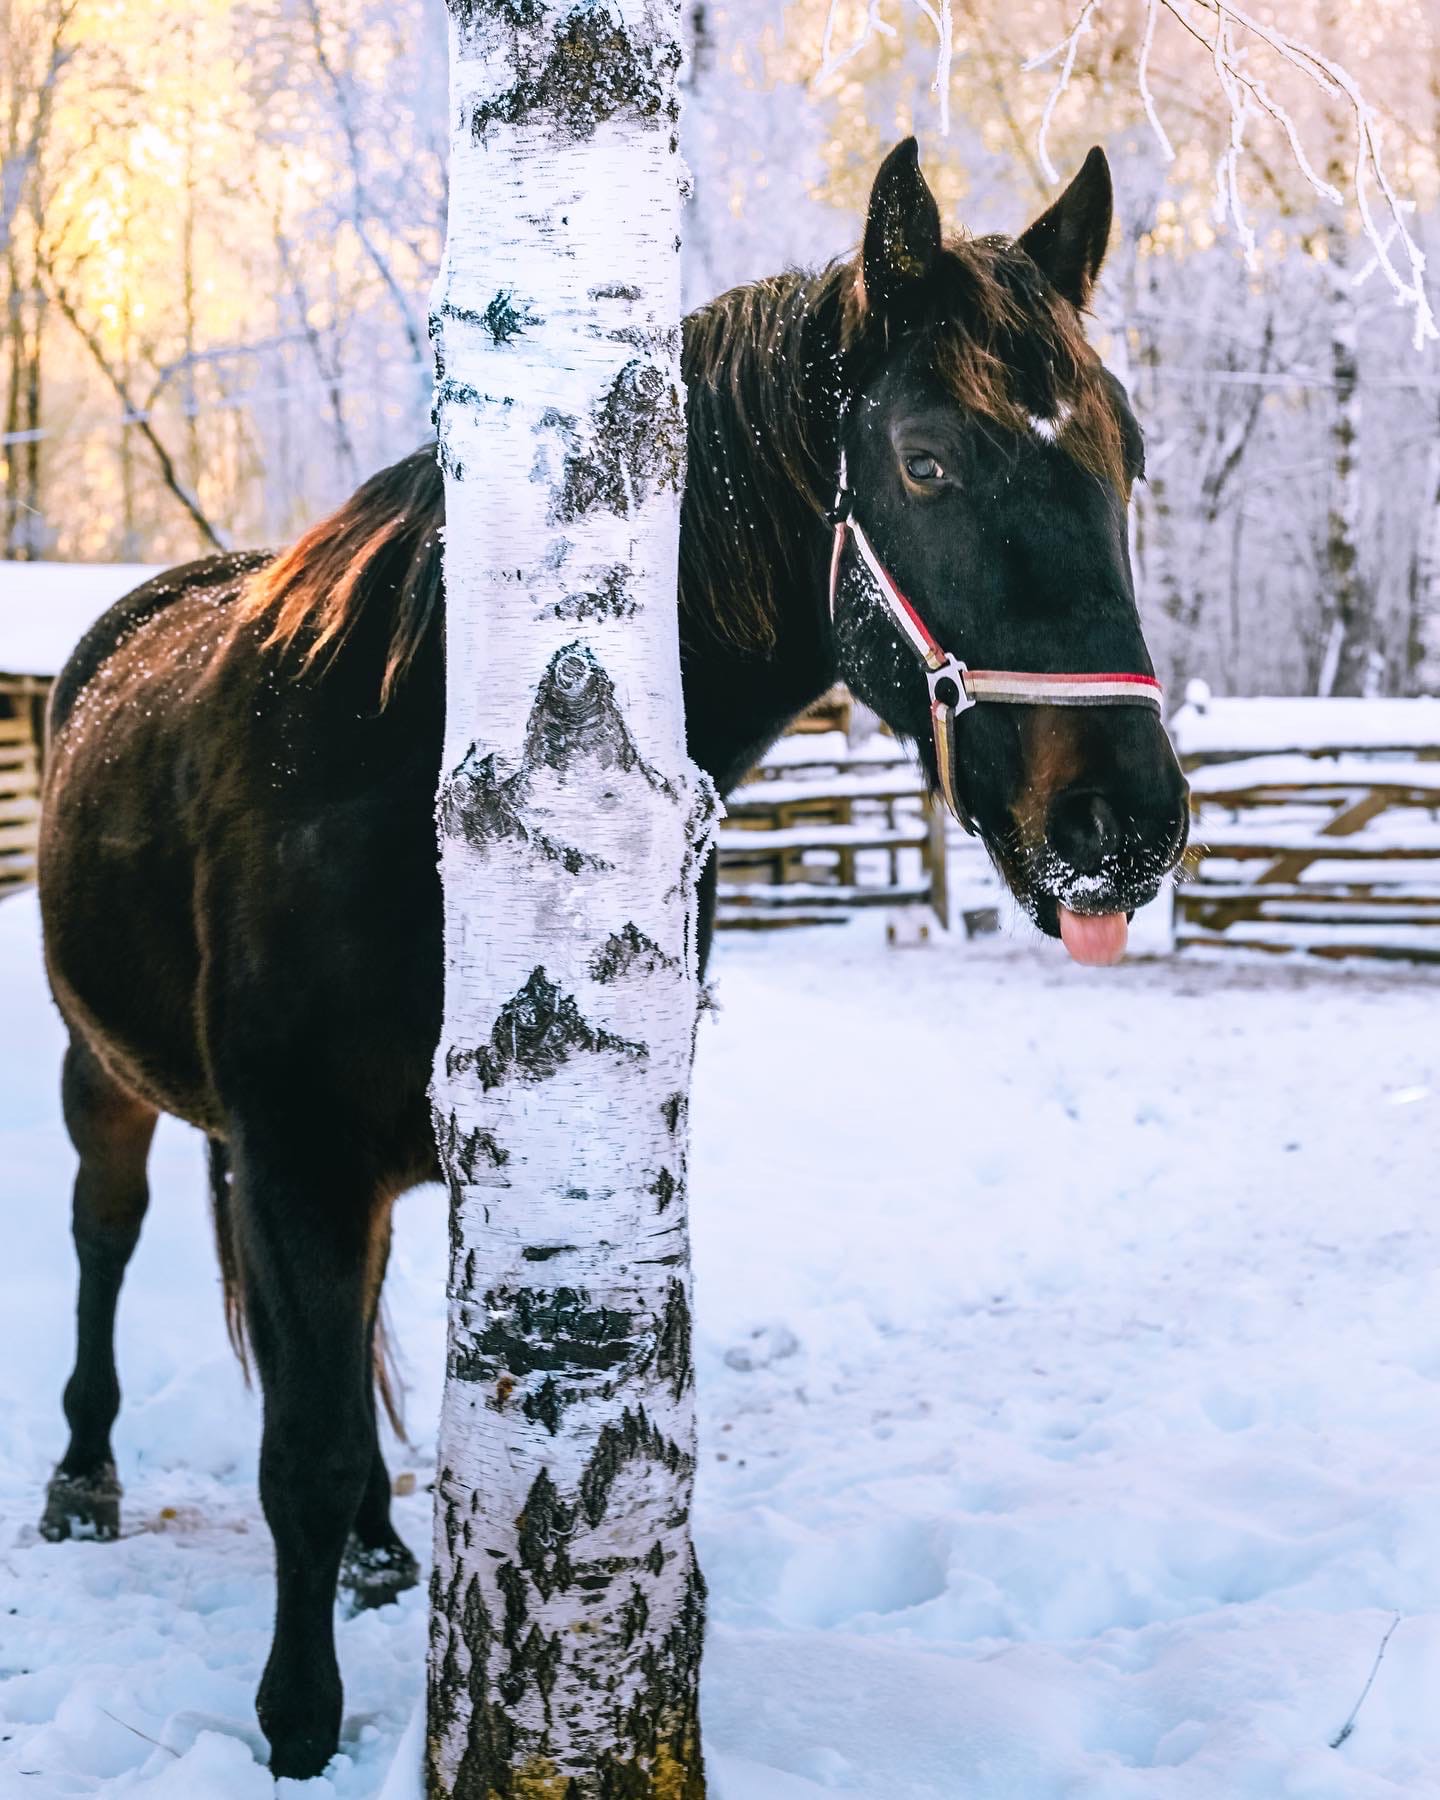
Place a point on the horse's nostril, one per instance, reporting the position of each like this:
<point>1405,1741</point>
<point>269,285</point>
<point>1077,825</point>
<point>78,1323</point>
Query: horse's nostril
<point>1082,829</point>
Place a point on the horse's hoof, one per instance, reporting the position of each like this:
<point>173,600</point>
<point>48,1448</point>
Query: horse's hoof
<point>82,1506</point>
<point>375,1575</point>
<point>300,1755</point>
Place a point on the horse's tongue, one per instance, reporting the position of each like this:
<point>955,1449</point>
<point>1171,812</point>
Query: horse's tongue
<point>1097,939</point>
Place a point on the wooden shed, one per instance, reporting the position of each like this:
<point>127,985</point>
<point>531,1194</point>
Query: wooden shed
<point>45,609</point>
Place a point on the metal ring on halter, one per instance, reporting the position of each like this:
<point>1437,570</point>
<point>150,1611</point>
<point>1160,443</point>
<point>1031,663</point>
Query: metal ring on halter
<point>947,676</point>
<point>951,675</point>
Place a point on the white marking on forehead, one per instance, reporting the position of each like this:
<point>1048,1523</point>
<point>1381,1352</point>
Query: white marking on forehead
<point>1050,429</point>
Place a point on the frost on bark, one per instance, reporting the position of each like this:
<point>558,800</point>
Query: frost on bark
<point>567,1609</point>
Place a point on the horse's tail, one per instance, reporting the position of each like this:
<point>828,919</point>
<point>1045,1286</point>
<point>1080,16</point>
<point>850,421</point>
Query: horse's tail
<point>386,1374</point>
<point>229,1258</point>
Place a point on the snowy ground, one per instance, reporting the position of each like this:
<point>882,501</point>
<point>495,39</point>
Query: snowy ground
<point>1069,1388</point>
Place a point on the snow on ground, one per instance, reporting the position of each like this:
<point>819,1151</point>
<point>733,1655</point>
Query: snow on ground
<point>1069,1352</point>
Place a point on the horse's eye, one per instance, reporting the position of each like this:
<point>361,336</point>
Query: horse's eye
<point>923,468</point>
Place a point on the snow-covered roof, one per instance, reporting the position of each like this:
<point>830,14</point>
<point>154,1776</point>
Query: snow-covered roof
<point>46,608</point>
<point>1265,724</point>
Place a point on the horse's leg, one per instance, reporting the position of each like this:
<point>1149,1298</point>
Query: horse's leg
<point>379,1565</point>
<point>111,1131</point>
<point>304,1221</point>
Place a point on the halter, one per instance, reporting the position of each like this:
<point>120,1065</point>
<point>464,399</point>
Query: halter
<point>955,688</point>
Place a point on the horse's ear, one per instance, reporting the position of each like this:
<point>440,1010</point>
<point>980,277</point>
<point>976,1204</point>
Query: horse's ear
<point>1068,242</point>
<point>902,229</point>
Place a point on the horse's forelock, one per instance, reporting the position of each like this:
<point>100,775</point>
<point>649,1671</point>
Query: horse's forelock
<point>1008,348</point>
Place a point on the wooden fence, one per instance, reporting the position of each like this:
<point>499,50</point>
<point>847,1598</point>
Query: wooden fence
<point>22,700</point>
<point>1329,845</point>
<point>824,828</point>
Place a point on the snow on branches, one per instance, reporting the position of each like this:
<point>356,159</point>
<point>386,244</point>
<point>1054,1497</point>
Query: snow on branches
<point>1239,46</point>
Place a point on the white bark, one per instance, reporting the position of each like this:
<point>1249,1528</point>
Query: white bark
<point>1426,597</point>
<point>567,1607</point>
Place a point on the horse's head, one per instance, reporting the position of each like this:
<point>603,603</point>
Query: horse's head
<point>989,458</point>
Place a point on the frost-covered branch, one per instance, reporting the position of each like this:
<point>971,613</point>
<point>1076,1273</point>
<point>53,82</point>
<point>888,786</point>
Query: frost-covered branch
<point>132,414</point>
<point>1229,34</point>
<point>1066,50</point>
<point>1228,43</point>
<point>23,147</point>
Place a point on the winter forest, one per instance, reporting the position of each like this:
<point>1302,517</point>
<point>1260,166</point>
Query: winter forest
<point>219,229</point>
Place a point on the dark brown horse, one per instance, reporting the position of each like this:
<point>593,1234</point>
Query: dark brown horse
<point>238,863</point>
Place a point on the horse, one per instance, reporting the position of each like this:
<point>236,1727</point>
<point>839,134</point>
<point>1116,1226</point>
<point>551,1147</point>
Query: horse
<point>238,865</point>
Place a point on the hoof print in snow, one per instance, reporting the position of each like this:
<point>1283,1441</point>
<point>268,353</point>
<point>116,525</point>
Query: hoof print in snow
<point>629,952</point>
<point>576,717</point>
<point>767,1344</point>
<point>610,598</point>
<point>82,1506</point>
<point>586,71</point>
<point>634,445</point>
<point>535,1032</point>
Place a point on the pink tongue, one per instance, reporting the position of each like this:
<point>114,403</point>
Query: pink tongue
<point>1095,939</point>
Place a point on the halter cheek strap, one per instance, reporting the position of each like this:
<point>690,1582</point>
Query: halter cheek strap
<point>955,688</point>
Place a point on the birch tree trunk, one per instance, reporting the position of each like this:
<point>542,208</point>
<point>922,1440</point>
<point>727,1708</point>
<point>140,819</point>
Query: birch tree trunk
<point>1425,584</point>
<point>1350,662</point>
<point>567,1609</point>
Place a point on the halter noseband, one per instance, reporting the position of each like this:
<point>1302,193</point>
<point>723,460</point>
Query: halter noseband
<point>954,688</point>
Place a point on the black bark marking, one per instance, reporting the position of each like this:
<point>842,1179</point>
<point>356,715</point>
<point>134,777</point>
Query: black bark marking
<point>587,71</point>
<point>504,320</point>
<point>534,1329</point>
<point>627,951</point>
<point>616,290</point>
<point>662,1722</point>
<point>543,1252</point>
<point>665,1187</point>
<point>655,342</point>
<point>634,1439</point>
<point>521,14</point>
<point>576,717</point>
<point>673,1361</point>
<point>635,445</point>
<point>675,1111</point>
<point>544,1531</point>
<point>610,598</point>
<point>490,1738</point>
<point>535,1033</point>
<point>482,804</point>
<point>546,1406</point>
<point>461,1152</point>
<point>459,394</point>
<point>634,1616</point>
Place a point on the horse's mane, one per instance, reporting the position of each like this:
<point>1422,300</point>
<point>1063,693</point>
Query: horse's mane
<point>383,544</point>
<point>768,368</point>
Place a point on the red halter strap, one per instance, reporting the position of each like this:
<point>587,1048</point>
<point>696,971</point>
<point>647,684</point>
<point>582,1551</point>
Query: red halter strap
<point>955,688</point>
